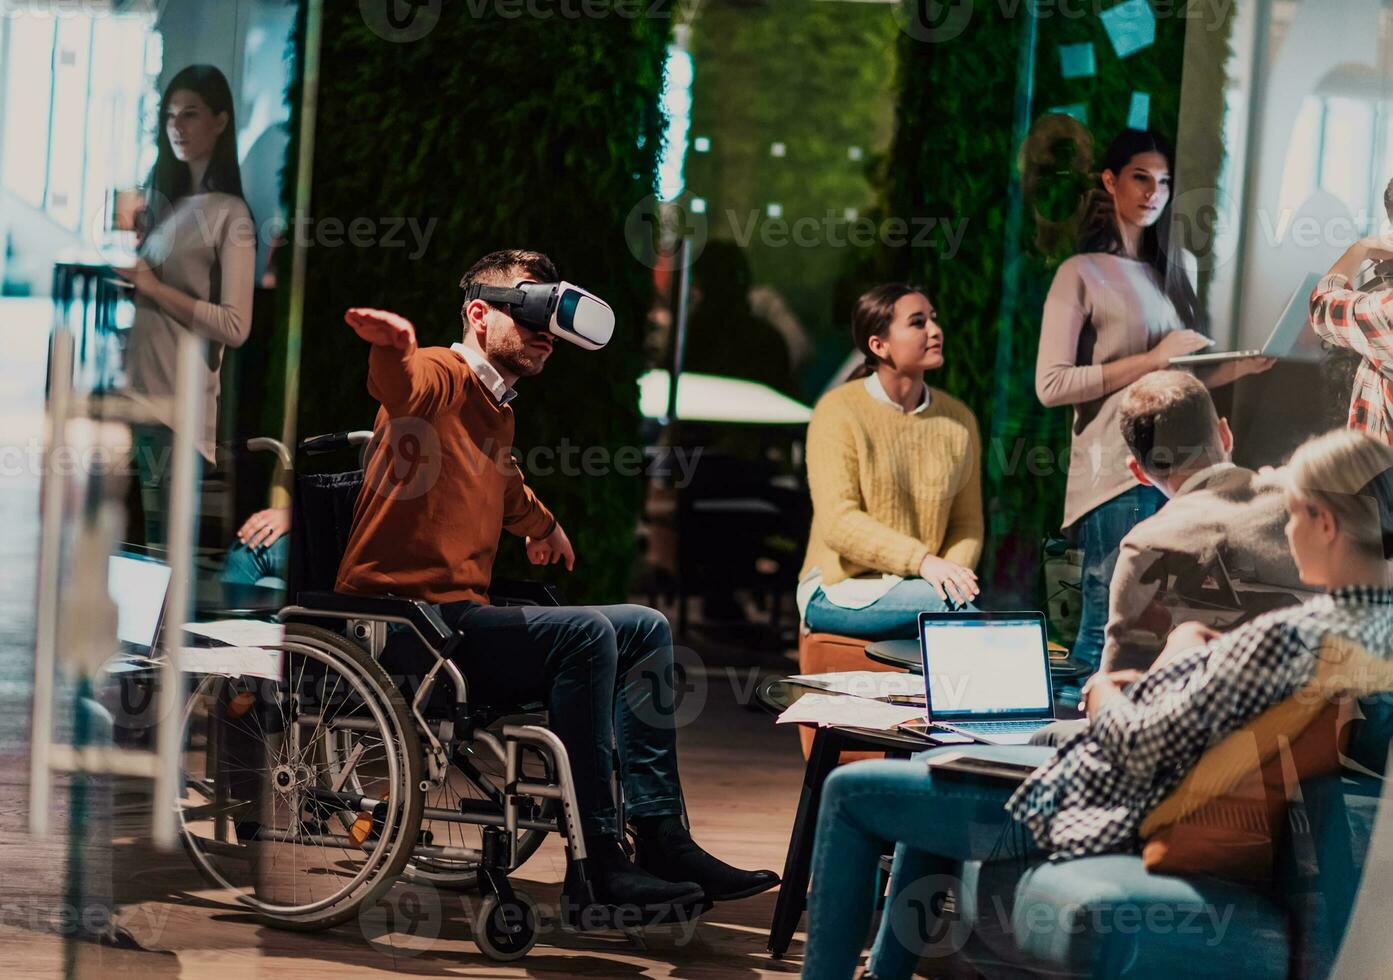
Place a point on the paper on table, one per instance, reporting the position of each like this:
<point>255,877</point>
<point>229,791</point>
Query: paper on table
<point>240,632</point>
<point>231,661</point>
<point>842,709</point>
<point>865,683</point>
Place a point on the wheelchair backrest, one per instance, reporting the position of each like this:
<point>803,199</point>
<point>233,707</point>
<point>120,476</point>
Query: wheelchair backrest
<point>322,515</point>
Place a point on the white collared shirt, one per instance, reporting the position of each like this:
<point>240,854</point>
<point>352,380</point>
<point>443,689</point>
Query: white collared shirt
<point>487,373</point>
<point>877,391</point>
<point>1195,479</point>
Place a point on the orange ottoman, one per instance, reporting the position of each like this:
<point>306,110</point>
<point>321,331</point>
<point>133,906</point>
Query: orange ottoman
<point>824,653</point>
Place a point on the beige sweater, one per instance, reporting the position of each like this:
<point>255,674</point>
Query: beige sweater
<point>206,248</point>
<point>1100,308</point>
<point>890,488</point>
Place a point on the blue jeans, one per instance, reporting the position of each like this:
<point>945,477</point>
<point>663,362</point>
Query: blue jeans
<point>1101,531</point>
<point>935,822</point>
<point>605,673</point>
<point>894,616</point>
<point>263,565</point>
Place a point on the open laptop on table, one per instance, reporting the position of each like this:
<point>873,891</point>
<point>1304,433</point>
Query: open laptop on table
<point>139,587</point>
<point>987,674</point>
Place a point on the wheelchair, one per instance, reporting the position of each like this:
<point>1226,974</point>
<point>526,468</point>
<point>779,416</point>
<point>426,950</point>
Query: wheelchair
<point>307,796</point>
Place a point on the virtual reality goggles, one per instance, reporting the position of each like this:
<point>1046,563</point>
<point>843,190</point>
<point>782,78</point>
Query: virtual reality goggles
<point>558,308</point>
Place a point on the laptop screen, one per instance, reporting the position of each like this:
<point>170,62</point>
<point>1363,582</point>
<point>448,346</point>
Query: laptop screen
<point>986,666</point>
<point>138,587</point>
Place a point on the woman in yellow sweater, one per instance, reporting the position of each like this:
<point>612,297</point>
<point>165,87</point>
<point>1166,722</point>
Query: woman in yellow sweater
<point>895,472</point>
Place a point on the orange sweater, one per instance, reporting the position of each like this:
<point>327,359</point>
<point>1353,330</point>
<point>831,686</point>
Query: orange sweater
<point>439,485</point>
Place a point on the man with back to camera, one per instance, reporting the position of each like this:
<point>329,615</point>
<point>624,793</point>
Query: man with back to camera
<point>430,530</point>
<point>1219,520</point>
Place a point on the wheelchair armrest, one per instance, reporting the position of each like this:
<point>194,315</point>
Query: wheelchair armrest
<point>418,613</point>
<point>518,592</point>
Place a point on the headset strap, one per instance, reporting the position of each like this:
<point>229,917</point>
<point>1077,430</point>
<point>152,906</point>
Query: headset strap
<point>502,295</point>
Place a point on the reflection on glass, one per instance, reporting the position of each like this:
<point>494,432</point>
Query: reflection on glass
<point>194,271</point>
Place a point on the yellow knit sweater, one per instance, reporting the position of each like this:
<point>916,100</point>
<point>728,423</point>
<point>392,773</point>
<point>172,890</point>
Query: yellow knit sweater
<point>890,488</point>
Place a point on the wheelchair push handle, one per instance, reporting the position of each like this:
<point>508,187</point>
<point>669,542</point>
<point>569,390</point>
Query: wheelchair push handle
<point>332,442</point>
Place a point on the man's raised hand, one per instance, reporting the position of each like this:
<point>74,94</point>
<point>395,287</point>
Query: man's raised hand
<point>381,328</point>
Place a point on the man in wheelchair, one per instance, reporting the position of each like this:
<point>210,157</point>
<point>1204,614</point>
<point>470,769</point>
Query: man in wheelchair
<point>440,485</point>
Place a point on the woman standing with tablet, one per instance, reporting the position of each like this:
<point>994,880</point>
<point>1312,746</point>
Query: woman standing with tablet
<point>194,274</point>
<point>1120,309</point>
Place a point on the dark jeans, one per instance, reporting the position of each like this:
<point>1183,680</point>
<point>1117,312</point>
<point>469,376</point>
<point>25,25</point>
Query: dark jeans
<point>602,671</point>
<point>1101,531</point>
<point>153,445</point>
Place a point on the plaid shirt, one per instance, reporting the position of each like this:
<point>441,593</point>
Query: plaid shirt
<point>1092,796</point>
<point>1362,322</point>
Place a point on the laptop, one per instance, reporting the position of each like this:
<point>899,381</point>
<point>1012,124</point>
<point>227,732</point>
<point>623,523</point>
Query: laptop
<point>1285,341</point>
<point>987,674</point>
<point>138,586</point>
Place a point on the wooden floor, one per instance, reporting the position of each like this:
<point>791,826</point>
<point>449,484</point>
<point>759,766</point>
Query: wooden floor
<point>741,777</point>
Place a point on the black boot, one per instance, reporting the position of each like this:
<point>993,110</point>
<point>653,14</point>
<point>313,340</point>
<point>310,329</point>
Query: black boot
<point>663,847</point>
<point>620,894</point>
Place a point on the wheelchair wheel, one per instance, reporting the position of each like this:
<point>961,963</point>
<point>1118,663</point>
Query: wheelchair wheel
<point>475,783</point>
<point>302,796</point>
<point>506,931</point>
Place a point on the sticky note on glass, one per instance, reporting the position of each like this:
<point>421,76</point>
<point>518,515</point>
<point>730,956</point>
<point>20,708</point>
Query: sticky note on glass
<point>1077,60</point>
<point>1131,26</point>
<point>1076,109</point>
<point>1139,114</point>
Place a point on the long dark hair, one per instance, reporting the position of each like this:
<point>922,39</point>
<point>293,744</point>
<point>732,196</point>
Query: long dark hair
<point>1100,232</point>
<point>874,313</point>
<point>170,178</point>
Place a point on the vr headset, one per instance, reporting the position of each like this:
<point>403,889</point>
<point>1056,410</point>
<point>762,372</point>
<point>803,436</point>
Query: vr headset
<point>558,308</point>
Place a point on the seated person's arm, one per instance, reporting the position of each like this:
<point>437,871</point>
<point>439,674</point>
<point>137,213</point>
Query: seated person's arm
<point>1060,380</point>
<point>403,381</point>
<point>1135,616</point>
<point>834,482</point>
<point>962,539</point>
<point>1243,672</point>
<point>527,517</point>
